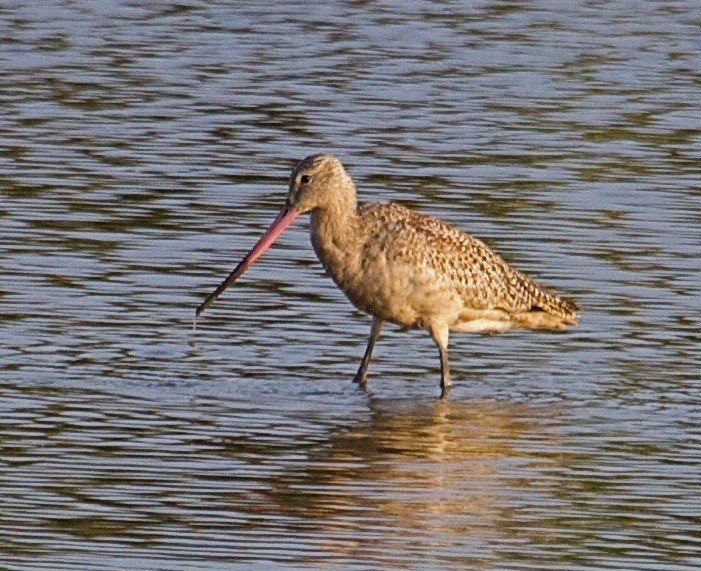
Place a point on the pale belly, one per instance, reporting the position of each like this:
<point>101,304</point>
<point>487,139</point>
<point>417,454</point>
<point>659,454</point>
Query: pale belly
<point>408,295</point>
<point>400,295</point>
<point>382,269</point>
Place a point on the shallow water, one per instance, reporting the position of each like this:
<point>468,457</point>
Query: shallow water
<point>143,149</point>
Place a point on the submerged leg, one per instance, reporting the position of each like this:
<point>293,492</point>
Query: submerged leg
<point>440,336</point>
<point>361,375</point>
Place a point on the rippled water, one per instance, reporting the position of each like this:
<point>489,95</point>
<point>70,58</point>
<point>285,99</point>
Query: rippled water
<point>144,147</point>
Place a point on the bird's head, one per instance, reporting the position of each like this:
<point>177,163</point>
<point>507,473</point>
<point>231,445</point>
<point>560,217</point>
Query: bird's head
<point>320,182</point>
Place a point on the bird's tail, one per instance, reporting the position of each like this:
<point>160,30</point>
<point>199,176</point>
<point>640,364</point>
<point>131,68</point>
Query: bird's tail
<point>548,310</point>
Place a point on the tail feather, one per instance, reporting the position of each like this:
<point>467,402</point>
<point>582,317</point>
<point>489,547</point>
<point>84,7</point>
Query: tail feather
<point>548,310</point>
<point>541,319</point>
<point>547,301</point>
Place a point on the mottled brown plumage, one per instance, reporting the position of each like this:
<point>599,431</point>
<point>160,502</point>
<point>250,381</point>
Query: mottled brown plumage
<point>406,267</point>
<point>443,257</point>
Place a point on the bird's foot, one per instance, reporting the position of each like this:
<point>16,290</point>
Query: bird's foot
<point>446,383</point>
<point>361,378</point>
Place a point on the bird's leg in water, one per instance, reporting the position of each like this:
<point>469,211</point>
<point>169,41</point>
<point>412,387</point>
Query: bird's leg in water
<point>361,375</point>
<point>440,336</point>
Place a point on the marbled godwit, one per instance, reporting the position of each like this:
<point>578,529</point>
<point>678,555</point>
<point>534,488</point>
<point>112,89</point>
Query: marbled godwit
<point>405,267</point>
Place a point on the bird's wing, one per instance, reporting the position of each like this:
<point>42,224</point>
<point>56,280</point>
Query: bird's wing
<point>455,259</point>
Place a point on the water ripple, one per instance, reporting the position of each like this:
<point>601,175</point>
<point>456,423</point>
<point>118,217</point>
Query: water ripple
<point>144,148</point>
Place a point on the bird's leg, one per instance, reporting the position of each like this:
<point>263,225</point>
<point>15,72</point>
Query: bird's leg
<point>361,375</point>
<point>440,336</point>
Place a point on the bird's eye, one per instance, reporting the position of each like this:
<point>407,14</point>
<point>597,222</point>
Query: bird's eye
<point>304,179</point>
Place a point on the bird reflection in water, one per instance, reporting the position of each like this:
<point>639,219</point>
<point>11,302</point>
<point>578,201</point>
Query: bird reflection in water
<point>439,470</point>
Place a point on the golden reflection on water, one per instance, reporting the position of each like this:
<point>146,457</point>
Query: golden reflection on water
<point>442,471</point>
<point>147,143</point>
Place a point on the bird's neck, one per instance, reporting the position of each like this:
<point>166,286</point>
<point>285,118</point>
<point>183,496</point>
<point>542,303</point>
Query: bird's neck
<point>337,237</point>
<point>338,222</point>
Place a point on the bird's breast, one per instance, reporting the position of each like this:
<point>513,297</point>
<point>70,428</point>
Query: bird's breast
<point>372,280</point>
<point>339,255</point>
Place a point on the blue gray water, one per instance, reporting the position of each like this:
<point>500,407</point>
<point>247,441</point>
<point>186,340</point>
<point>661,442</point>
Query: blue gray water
<point>145,146</point>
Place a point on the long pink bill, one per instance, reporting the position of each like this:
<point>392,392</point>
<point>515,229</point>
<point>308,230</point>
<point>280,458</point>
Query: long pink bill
<point>282,221</point>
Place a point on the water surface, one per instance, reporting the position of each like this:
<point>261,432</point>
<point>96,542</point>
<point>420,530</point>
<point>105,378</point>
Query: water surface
<point>143,148</point>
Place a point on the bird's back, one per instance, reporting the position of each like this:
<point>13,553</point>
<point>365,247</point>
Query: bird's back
<point>494,296</point>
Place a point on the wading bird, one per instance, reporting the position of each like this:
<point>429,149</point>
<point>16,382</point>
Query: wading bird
<point>406,267</point>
